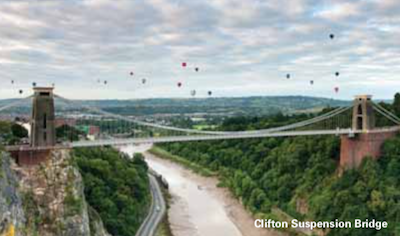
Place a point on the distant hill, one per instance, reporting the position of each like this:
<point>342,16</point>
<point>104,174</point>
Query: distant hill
<point>233,106</point>
<point>221,106</point>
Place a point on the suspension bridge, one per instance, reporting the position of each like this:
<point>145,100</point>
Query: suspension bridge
<point>58,122</point>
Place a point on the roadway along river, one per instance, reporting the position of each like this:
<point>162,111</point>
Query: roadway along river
<point>198,207</point>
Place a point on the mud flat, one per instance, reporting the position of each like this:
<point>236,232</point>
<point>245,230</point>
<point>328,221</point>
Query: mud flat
<point>200,208</point>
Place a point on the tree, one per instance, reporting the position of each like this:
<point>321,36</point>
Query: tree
<point>116,186</point>
<point>273,172</point>
<point>66,132</point>
<point>19,131</point>
<point>396,104</point>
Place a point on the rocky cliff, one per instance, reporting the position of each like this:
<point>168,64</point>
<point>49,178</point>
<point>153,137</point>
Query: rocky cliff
<point>11,207</point>
<point>45,200</point>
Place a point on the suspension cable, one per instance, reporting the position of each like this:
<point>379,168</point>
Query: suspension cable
<point>378,106</point>
<point>308,122</point>
<point>296,125</point>
<point>387,115</point>
<point>16,103</point>
<point>144,123</point>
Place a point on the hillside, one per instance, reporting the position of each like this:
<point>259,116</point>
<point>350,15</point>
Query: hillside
<point>116,186</point>
<point>45,200</point>
<point>72,193</point>
<point>298,176</point>
<point>233,106</point>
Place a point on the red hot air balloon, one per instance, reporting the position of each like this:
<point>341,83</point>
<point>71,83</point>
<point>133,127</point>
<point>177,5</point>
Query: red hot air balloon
<point>184,64</point>
<point>336,89</point>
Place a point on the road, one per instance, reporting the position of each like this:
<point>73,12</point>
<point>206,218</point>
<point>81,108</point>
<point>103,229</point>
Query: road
<point>157,210</point>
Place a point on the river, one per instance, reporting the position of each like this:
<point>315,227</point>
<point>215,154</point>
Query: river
<point>198,207</point>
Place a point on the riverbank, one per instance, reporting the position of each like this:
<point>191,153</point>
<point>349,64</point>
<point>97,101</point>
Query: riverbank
<point>231,207</point>
<point>164,229</point>
<point>161,153</point>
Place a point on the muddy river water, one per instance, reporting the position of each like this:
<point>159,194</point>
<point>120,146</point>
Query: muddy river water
<point>198,207</point>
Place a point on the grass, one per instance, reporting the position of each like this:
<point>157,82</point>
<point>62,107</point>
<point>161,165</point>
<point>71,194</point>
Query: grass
<point>159,152</point>
<point>204,127</point>
<point>164,229</point>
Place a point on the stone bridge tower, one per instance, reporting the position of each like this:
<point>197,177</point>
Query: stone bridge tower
<point>42,124</point>
<point>43,135</point>
<point>363,113</point>
<point>365,144</point>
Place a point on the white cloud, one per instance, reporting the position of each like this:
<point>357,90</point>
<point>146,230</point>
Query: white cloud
<point>339,11</point>
<point>242,47</point>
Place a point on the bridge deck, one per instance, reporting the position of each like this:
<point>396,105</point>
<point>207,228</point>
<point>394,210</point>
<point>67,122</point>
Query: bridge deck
<point>30,148</point>
<point>230,136</point>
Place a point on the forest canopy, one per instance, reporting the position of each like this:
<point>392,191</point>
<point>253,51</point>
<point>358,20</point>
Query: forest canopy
<point>116,186</point>
<point>299,175</point>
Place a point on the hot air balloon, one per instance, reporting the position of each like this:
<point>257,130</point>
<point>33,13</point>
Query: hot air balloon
<point>184,64</point>
<point>131,73</point>
<point>311,82</point>
<point>144,81</point>
<point>196,69</point>
<point>336,89</point>
<point>287,76</point>
<point>193,92</point>
<point>337,73</point>
<point>332,36</point>
<point>209,93</point>
<point>12,81</point>
<point>105,82</point>
<point>34,84</point>
<point>179,84</point>
<point>21,91</point>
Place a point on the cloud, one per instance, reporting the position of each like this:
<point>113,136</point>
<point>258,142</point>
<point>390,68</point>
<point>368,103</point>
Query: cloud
<point>242,47</point>
<point>339,11</point>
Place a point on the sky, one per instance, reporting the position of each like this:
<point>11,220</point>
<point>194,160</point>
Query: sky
<point>241,47</point>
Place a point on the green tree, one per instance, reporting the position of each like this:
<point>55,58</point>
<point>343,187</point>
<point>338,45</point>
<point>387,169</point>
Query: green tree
<point>116,186</point>
<point>19,131</point>
<point>396,104</point>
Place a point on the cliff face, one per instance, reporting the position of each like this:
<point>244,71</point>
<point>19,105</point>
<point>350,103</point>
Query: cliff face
<point>11,209</point>
<point>48,199</point>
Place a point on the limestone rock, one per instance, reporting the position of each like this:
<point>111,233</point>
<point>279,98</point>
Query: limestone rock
<point>46,199</point>
<point>11,210</point>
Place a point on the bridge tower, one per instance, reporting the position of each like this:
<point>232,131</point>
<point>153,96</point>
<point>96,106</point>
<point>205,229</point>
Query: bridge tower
<point>355,148</point>
<point>43,132</point>
<point>363,113</point>
<point>43,135</point>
